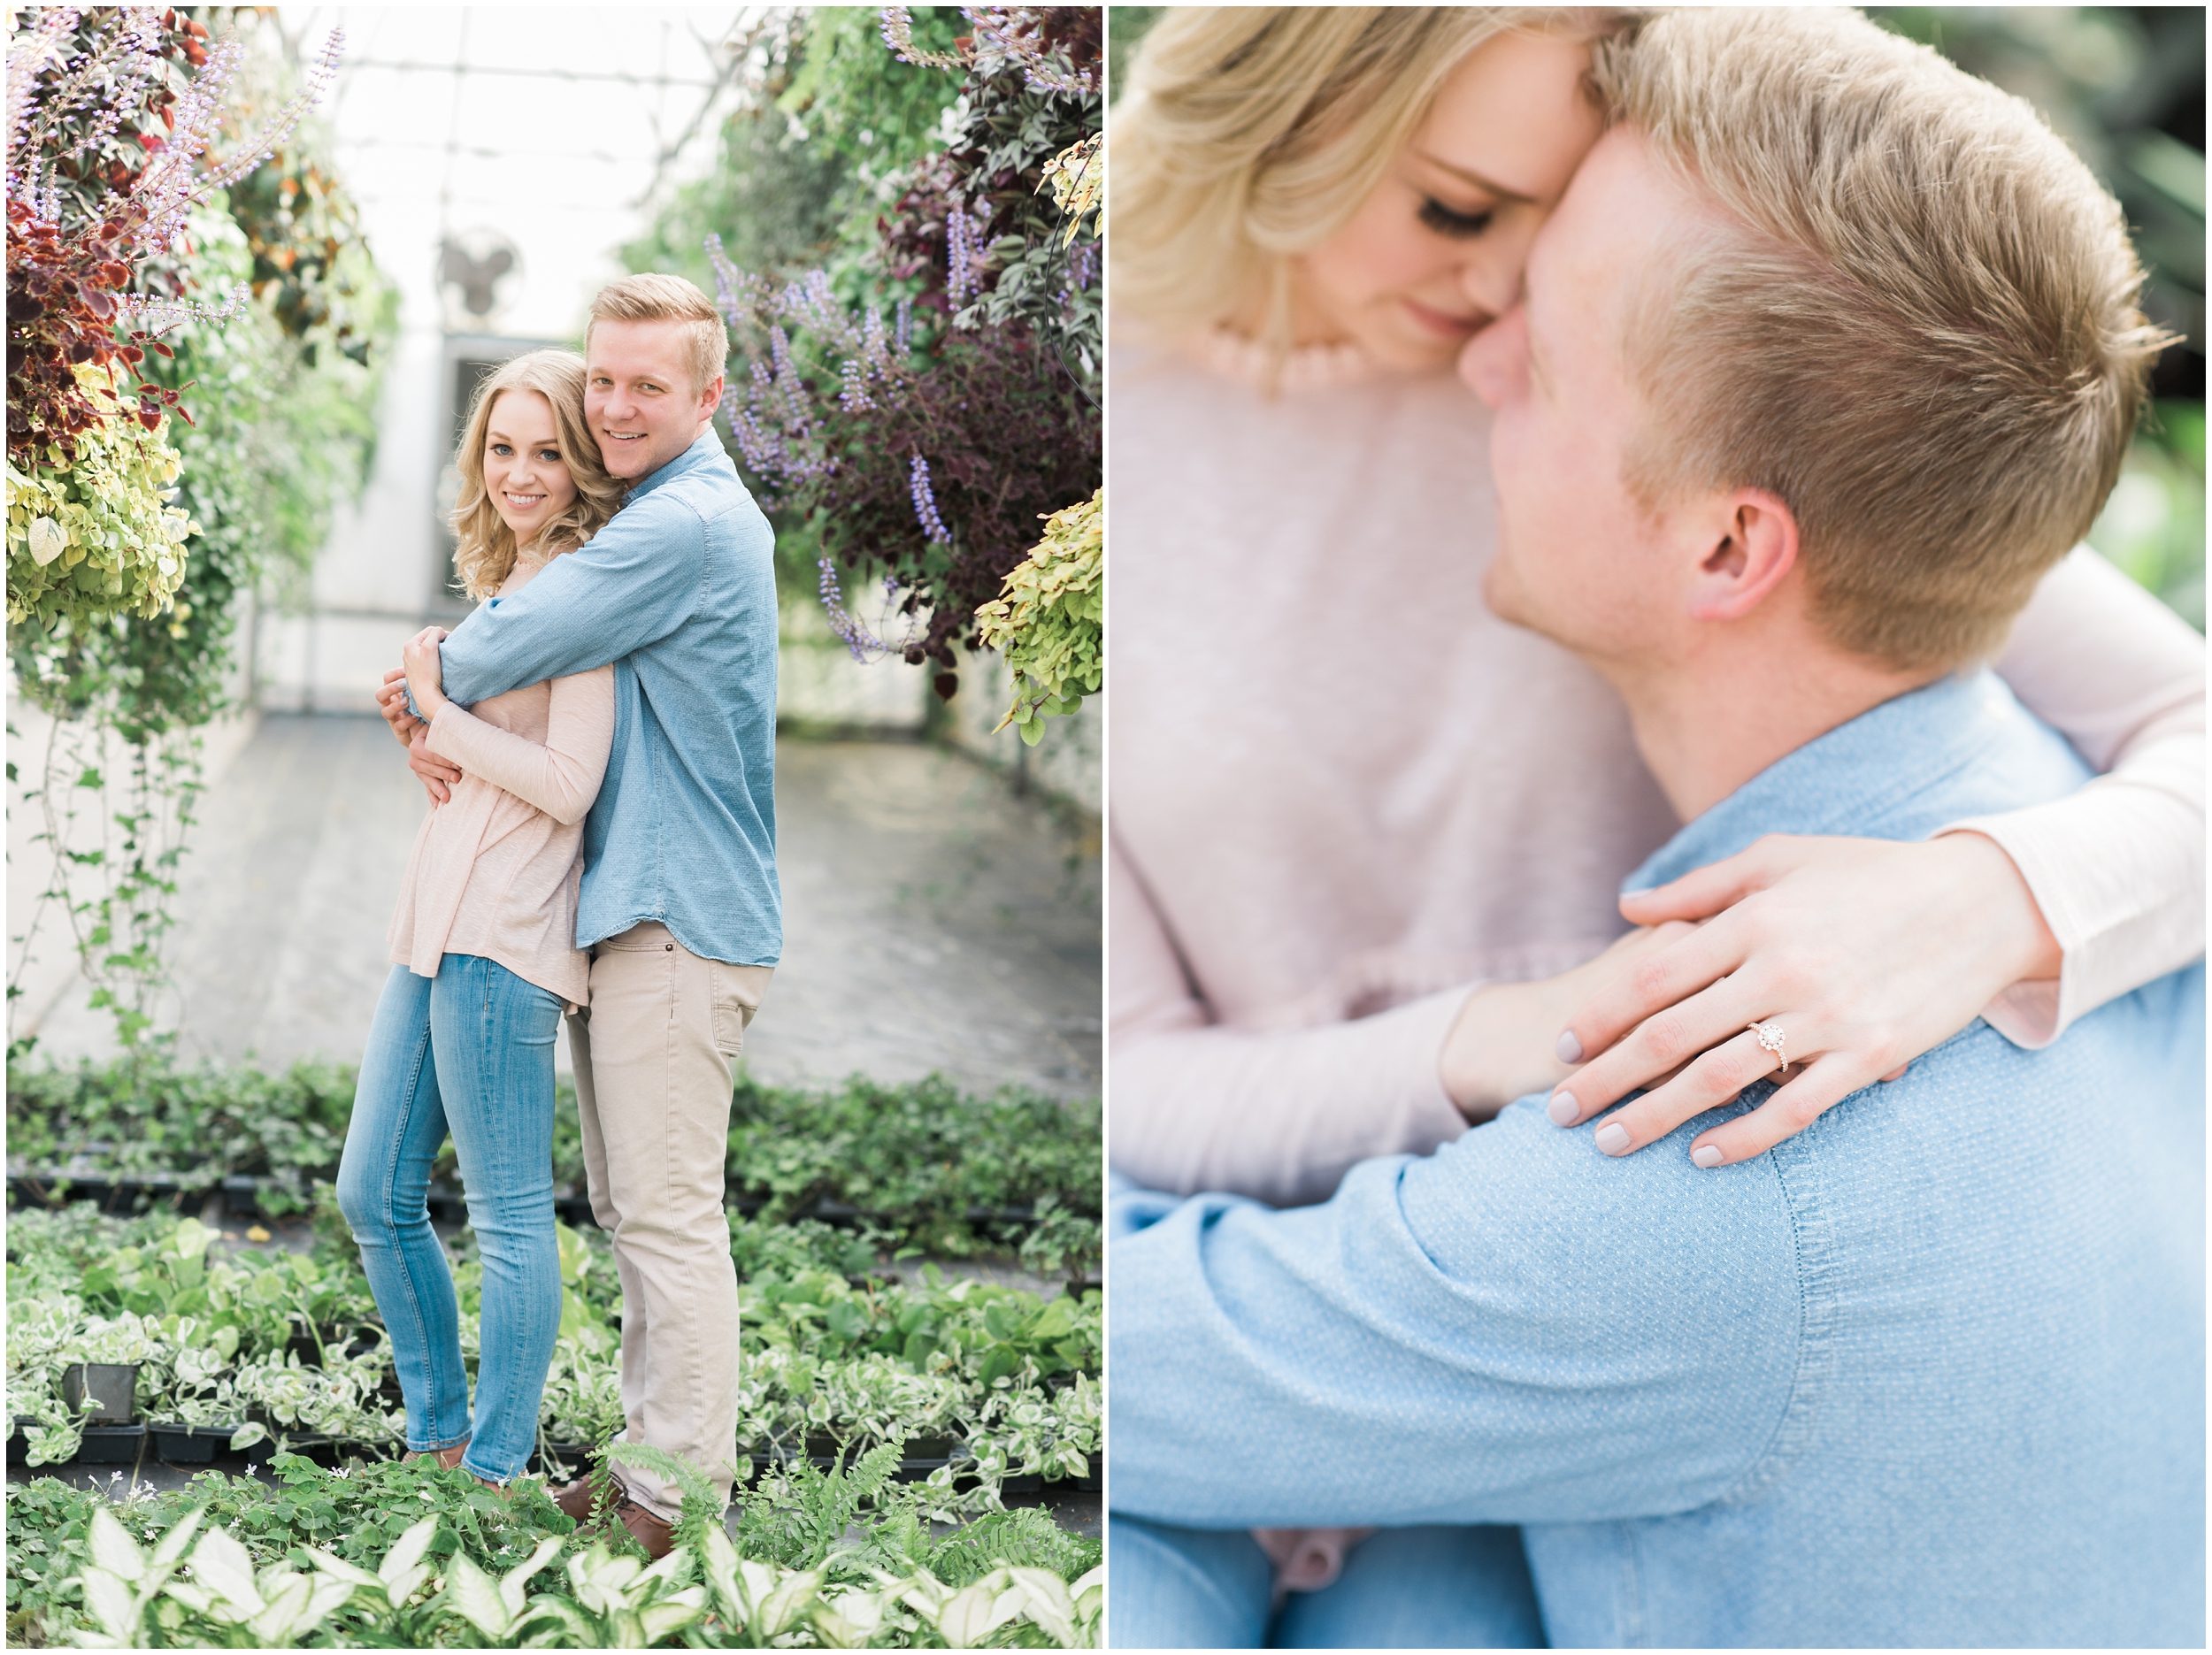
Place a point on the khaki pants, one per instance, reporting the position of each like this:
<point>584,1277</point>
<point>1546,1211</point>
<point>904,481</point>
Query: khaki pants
<point>654,1059</point>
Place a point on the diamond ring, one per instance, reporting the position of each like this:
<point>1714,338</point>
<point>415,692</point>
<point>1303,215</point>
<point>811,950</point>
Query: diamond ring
<point>1770,1038</point>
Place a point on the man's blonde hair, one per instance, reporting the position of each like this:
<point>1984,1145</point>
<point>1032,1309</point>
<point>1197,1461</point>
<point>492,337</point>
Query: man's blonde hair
<point>657,298</point>
<point>1249,134</point>
<point>1914,318</point>
<point>485,555</point>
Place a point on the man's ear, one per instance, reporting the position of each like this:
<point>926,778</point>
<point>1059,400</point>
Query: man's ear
<point>710,399</point>
<point>1750,548</point>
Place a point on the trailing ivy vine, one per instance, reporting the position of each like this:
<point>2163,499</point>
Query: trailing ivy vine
<point>133,655</point>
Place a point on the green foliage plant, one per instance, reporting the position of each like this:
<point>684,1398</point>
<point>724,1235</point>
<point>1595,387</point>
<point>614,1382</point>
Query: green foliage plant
<point>1050,619</point>
<point>129,652</point>
<point>97,536</point>
<point>404,1557</point>
<point>911,407</point>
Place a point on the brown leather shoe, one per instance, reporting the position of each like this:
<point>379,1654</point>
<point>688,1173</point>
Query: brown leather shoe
<point>657,1536</point>
<point>446,1458</point>
<point>588,1499</point>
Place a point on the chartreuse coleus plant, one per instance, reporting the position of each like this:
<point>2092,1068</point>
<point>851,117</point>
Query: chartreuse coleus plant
<point>1050,619</point>
<point>188,1568</point>
<point>97,536</point>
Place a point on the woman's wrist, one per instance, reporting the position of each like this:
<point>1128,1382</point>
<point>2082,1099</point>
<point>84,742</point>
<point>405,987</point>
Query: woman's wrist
<point>1494,1052</point>
<point>2025,947</point>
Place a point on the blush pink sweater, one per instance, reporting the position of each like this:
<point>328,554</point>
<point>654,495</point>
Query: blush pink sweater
<point>495,868</point>
<point>1344,794</point>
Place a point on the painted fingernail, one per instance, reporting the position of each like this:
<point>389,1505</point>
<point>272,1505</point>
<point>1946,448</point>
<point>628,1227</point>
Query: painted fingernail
<point>1706,1155</point>
<point>1568,1048</point>
<point>1612,1138</point>
<point>1562,1108</point>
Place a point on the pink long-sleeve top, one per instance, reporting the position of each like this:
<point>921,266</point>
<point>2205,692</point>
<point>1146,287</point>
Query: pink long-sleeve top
<point>495,868</point>
<point>1344,794</point>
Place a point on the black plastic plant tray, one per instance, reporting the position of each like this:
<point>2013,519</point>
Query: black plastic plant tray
<point>112,1444</point>
<point>111,1191</point>
<point>114,1384</point>
<point>18,1441</point>
<point>190,1445</point>
<point>566,1458</point>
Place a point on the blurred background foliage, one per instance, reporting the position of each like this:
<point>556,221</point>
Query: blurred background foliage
<point>2125,84</point>
<point>812,157</point>
<point>893,163</point>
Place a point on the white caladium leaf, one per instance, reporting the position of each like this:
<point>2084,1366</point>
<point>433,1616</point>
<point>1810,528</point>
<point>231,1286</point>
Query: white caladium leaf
<point>673,1568</point>
<point>221,1564</point>
<point>338,1568</point>
<point>191,1597</point>
<point>969,1617</point>
<point>326,1593</point>
<point>112,1604</point>
<point>173,1544</point>
<point>560,1625</point>
<point>602,1581</point>
<point>657,1620</point>
<point>721,1561</point>
<point>475,1596</point>
<point>847,1622</point>
<point>1048,1604</point>
<point>284,1597</point>
<point>113,1548</point>
<point>759,1580</point>
<point>401,1570</point>
<point>514,1584</point>
<point>783,1606</point>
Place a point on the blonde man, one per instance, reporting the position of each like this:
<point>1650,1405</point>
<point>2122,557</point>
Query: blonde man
<point>679,905</point>
<point>1827,353</point>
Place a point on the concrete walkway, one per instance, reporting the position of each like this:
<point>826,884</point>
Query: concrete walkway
<point>933,921</point>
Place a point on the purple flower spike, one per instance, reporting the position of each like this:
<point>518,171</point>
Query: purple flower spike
<point>925,504</point>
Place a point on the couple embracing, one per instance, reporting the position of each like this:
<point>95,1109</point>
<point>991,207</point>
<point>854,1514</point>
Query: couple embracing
<point>597,739</point>
<point>1838,1276</point>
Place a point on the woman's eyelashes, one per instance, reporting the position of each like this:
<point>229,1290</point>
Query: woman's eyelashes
<point>1458,226</point>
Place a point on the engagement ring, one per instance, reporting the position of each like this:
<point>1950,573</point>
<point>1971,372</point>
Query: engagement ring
<point>1770,1037</point>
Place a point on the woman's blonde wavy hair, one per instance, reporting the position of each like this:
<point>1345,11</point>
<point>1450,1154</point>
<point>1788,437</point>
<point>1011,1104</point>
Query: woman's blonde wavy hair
<point>1250,135</point>
<point>486,554</point>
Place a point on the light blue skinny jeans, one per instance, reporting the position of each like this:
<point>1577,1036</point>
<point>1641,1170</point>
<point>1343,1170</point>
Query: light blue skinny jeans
<point>1427,1588</point>
<point>470,1050</point>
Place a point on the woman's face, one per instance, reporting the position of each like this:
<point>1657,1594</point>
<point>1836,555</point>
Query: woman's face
<point>524,474</point>
<point>1435,252</point>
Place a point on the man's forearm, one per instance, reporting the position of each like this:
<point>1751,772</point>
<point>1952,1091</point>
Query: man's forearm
<point>1493,1334</point>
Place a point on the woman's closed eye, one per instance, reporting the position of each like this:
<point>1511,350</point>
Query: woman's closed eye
<point>1459,225</point>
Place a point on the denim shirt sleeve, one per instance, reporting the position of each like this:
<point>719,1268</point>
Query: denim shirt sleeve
<point>633,583</point>
<point>1517,1328</point>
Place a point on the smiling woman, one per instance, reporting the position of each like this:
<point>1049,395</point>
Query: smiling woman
<point>530,474</point>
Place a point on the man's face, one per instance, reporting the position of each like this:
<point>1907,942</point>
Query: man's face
<point>1578,558</point>
<point>638,397</point>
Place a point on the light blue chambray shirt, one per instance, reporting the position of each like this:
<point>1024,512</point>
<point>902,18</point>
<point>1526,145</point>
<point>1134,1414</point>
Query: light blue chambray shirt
<point>1932,1372</point>
<point>679,591</point>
